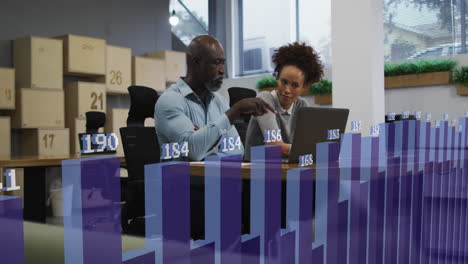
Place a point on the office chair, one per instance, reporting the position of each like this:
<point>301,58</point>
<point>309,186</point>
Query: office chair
<point>94,121</point>
<point>141,147</point>
<point>235,95</point>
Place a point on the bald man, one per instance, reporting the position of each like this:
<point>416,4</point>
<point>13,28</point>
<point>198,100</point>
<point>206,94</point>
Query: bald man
<point>192,111</point>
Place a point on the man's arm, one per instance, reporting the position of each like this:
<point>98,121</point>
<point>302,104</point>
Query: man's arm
<point>172,122</point>
<point>268,122</point>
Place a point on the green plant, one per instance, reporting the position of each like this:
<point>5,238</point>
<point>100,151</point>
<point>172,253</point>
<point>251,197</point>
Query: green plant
<point>461,76</point>
<point>267,82</point>
<point>322,87</point>
<point>417,67</point>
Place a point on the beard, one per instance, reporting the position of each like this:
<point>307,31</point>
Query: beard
<point>214,85</point>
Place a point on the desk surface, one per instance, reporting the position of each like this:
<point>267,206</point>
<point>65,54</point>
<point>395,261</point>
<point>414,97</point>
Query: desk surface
<point>196,168</point>
<point>35,161</point>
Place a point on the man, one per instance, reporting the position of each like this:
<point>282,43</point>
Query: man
<point>193,111</point>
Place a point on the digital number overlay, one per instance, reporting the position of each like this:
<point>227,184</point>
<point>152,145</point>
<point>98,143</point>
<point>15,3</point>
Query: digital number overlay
<point>10,184</point>
<point>333,134</point>
<point>356,126</point>
<point>375,130</point>
<point>272,136</point>
<point>391,116</point>
<point>229,144</point>
<point>306,160</point>
<point>174,150</point>
<point>100,143</point>
<point>418,115</point>
<point>405,115</point>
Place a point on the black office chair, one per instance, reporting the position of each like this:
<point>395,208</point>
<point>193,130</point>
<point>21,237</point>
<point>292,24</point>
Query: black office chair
<point>141,147</point>
<point>94,121</point>
<point>235,95</point>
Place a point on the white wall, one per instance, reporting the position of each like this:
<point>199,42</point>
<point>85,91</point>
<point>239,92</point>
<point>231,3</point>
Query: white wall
<point>358,61</point>
<point>436,100</point>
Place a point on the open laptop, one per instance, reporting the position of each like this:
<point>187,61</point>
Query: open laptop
<point>312,127</point>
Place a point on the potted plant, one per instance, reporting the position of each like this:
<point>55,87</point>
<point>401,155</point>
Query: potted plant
<point>419,73</point>
<point>322,91</point>
<point>267,84</point>
<point>460,77</point>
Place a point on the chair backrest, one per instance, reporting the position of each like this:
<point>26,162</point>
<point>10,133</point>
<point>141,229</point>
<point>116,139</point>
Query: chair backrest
<point>141,147</point>
<point>140,143</point>
<point>142,102</point>
<point>94,121</point>
<point>235,95</point>
<point>238,93</point>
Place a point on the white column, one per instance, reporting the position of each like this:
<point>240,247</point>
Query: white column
<point>358,60</point>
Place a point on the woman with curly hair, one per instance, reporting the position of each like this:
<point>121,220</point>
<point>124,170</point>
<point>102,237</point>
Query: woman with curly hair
<point>297,66</point>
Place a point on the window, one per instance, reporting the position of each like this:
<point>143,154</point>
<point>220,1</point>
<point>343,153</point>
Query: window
<point>420,29</point>
<point>193,16</point>
<point>266,25</point>
<point>315,27</point>
<point>253,60</point>
<point>413,29</point>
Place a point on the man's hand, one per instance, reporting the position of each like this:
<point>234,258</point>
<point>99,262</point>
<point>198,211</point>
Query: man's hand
<point>253,106</point>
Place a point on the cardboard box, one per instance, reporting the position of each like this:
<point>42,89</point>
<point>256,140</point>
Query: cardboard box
<point>83,56</point>
<point>149,72</point>
<point>81,97</point>
<point>45,142</point>
<point>119,69</point>
<point>38,62</point>
<point>5,137</point>
<point>175,63</point>
<point>115,119</point>
<point>39,108</point>
<point>77,127</point>
<point>7,88</point>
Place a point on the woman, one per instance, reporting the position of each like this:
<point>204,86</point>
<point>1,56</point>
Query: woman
<point>297,67</point>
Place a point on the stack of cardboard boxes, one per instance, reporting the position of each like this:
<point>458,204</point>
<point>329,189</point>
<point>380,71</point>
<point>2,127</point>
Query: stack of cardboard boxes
<point>174,64</point>
<point>39,114</point>
<point>83,57</point>
<point>47,115</point>
<point>7,101</point>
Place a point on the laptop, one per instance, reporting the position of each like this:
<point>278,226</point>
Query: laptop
<point>312,127</point>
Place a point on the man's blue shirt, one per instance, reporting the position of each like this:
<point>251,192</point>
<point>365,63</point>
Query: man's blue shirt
<point>179,109</point>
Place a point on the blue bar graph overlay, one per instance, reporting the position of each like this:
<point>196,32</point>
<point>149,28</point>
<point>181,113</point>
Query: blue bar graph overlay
<point>399,197</point>
<point>11,230</point>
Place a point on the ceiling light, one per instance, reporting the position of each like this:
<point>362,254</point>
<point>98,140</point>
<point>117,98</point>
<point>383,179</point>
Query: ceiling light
<point>174,19</point>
